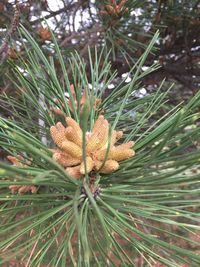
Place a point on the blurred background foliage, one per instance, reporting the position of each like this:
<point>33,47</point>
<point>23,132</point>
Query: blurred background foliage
<point>124,27</point>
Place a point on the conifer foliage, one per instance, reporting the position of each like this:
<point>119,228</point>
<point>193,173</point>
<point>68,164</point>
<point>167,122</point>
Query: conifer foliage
<point>76,193</point>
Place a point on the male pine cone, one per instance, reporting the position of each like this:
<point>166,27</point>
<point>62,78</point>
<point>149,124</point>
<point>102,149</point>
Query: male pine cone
<point>101,155</point>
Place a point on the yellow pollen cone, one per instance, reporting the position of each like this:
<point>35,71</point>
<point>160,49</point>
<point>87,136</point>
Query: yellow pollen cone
<point>73,136</point>
<point>72,149</point>
<point>65,159</point>
<point>89,165</point>
<point>109,166</point>
<point>113,138</point>
<point>112,141</point>
<point>74,125</point>
<point>98,138</point>
<point>125,145</point>
<point>58,137</point>
<point>119,135</point>
<point>60,128</point>
<point>116,153</point>
<point>121,154</point>
<point>74,172</point>
<point>101,154</point>
<point>98,123</point>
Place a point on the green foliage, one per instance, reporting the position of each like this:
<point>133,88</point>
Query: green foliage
<point>145,209</point>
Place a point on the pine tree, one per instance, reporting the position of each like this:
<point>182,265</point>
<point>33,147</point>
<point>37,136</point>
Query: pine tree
<point>96,179</point>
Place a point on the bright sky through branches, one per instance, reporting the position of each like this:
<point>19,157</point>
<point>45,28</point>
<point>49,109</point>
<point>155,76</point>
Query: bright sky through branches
<point>54,5</point>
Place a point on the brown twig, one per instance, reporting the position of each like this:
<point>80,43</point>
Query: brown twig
<point>11,31</point>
